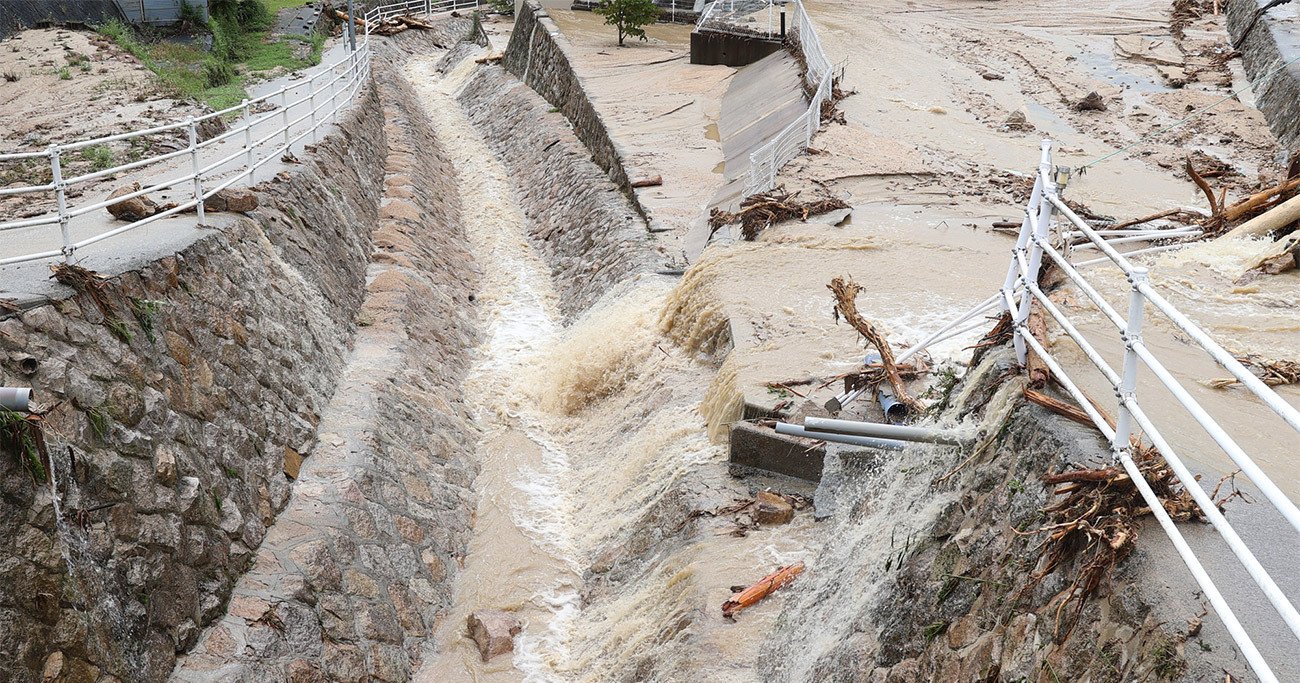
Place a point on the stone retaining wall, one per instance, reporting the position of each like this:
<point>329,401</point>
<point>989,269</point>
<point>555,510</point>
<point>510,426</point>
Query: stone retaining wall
<point>539,55</point>
<point>1270,44</point>
<point>179,399</point>
<point>348,583</point>
<point>584,227</point>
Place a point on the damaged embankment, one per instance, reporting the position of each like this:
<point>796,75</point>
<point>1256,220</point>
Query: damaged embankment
<point>175,412</point>
<point>942,567</point>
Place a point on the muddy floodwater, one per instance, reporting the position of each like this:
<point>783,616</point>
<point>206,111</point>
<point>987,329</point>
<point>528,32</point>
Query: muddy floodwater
<point>588,425</point>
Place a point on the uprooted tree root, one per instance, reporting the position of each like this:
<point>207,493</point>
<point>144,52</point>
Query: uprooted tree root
<point>759,211</point>
<point>1094,522</point>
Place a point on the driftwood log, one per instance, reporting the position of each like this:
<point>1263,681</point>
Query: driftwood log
<point>846,294</point>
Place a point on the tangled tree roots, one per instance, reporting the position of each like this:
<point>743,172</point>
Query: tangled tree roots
<point>1094,521</point>
<point>759,211</point>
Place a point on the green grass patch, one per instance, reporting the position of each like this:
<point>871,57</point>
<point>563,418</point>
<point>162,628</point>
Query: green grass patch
<point>218,76</point>
<point>274,6</point>
<point>100,157</point>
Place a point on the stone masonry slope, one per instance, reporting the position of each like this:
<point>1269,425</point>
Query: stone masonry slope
<point>348,584</point>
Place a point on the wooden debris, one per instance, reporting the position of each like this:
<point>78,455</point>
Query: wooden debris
<point>649,182</point>
<point>1058,406</point>
<point>1272,372</point>
<point>1215,208</point>
<point>763,588</point>
<point>1275,218</point>
<point>490,59</point>
<point>1147,219</point>
<point>846,293</point>
<point>1258,200</point>
<point>759,211</point>
<point>386,27</point>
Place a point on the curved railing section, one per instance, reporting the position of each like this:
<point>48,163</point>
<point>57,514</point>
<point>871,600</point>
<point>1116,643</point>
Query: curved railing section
<point>1020,290</point>
<point>201,167</point>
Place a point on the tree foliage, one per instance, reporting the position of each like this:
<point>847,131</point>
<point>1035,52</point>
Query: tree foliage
<point>629,16</point>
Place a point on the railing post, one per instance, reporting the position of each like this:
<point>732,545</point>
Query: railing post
<point>1128,380</point>
<point>194,160</point>
<point>284,114</point>
<point>334,97</point>
<point>61,200</point>
<point>1037,226</point>
<point>311,87</point>
<point>248,142</point>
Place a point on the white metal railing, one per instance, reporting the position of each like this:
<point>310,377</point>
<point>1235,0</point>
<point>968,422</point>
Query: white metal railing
<point>1020,289</point>
<point>768,160</point>
<point>741,17</point>
<point>300,110</point>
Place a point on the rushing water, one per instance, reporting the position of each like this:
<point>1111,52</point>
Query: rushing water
<point>587,430</point>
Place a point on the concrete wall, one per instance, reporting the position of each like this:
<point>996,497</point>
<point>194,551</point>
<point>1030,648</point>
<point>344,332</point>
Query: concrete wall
<point>158,11</point>
<point>730,49</point>
<point>540,56</point>
<point>1274,40</point>
<point>16,15</point>
<point>178,401</point>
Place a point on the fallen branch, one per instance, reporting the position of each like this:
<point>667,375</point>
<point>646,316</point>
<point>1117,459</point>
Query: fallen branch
<point>1258,200</point>
<point>1215,208</point>
<point>1058,406</point>
<point>649,182</point>
<point>765,587</point>
<point>1106,474</point>
<point>1147,219</point>
<point>1271,372</point>
<point>846,293</point>
<point>1275,218</point>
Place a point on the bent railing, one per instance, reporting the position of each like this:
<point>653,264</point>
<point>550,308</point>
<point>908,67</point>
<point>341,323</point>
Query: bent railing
<point>200,167</point>
<point>1032,245</point>
<point>1020,289</point>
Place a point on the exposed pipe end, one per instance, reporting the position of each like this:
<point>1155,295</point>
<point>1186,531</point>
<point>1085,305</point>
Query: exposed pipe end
<point>15,399</point>
<point>895,411</point>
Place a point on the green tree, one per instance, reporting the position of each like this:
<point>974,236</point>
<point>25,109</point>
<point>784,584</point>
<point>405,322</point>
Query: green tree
<point>629,16</point>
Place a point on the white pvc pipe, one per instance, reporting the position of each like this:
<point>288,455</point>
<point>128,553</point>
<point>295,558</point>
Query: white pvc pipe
<point>15,399</point>
<point>885,431</point>
<point>796,430</point>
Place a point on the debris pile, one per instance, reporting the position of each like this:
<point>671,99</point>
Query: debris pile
<point>386,27</point>
<point>759,211</point>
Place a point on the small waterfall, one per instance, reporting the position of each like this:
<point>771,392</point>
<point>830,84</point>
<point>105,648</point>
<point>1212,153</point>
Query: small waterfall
<point>90,587</point>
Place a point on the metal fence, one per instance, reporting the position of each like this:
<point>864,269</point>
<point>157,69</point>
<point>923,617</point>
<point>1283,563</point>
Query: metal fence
<point>1018,292</point>
<point>214,164</point>
<point>768,160</point>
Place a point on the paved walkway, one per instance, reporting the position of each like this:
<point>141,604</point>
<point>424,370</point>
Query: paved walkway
<point>29,281</point>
